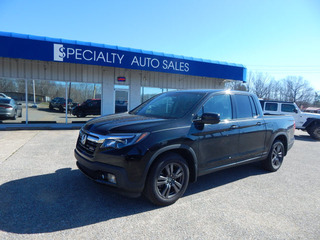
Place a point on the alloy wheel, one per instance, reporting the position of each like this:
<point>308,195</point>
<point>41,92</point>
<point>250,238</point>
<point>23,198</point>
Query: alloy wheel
<point>277,156</point>
<point>170,180</point>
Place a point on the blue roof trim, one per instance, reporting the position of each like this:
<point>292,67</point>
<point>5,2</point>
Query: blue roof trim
<point>81,43</point>
<point>98,54</point>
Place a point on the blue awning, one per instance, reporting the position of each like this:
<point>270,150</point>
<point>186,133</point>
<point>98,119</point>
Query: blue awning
<point>14,45</point>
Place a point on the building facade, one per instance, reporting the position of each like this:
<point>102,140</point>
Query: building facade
<point>121,77</point>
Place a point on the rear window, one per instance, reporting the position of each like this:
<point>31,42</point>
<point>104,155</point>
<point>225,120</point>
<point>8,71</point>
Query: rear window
<point>244,106</point>
<point>271,107</point>
<point>287,108</point>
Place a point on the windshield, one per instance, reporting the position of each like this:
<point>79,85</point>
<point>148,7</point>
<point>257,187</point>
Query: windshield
<point>169,105</point>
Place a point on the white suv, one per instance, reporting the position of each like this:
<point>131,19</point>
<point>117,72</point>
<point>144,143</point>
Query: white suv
<point>309,122</point>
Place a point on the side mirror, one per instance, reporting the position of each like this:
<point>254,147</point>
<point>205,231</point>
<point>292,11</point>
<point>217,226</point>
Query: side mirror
<point>295,110</point>
<point>209,118</point>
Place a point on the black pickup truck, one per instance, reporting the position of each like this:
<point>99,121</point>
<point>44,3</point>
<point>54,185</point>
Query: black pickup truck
<point>175,137</point>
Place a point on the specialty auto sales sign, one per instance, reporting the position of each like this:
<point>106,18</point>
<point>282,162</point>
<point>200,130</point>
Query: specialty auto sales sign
<point>116,58</point>
<point>59,50</point>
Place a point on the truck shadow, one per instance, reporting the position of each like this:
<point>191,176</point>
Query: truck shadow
<point>305,138</point>
<point>224,177</point>
<point>42,109</point>
<point>66,199</point>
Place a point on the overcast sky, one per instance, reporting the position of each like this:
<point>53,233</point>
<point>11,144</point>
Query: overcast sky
<point>279,37</point>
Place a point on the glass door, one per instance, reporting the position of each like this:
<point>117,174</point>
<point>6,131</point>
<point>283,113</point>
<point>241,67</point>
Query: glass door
<point>121,100</point>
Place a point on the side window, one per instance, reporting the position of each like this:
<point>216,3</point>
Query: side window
<point>287,108</point>
<point>220,104</point>
<point>244,109</point>
<point>271,107</point>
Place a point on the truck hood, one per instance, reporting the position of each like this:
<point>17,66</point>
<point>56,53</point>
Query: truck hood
<point>124,123</point>
<point>311,115</point>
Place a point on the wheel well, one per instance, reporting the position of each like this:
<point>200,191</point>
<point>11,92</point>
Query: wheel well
<point>284,141</point>
<point>187,156</point>
<point>313,122</point>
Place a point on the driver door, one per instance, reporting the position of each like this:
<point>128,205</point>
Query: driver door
<point>218,143</point>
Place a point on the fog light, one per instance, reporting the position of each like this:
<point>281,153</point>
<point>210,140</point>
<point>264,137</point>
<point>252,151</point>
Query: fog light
<point>111,178</point>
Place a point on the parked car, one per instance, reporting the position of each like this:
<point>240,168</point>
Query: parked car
<point>309,122</point>
<point>89,107</point>
<point>60,104</point>
<point>171,139</point>
<point>312,110</point>
<point>9,109</point>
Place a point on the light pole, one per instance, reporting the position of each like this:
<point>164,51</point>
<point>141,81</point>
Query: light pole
<point>34,95</point>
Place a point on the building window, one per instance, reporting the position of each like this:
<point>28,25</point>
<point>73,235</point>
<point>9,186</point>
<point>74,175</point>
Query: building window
<point>149,92</point>
<point>43,101</point>
<point>14,111</point>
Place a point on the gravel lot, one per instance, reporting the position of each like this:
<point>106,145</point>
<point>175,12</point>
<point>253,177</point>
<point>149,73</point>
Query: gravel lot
<point>44,196</point>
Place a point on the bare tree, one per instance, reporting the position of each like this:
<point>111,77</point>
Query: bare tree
<point>7,85</point>
<point>259,84</point>
<point>316,102</point>
<point>236,85</point>
<point>298,90</point>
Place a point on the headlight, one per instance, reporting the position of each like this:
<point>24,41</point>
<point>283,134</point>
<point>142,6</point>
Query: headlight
<point>122,140</point>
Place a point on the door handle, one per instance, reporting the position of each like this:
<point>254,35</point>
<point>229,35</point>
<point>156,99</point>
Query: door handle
<point>234,127</point>
<point>259,124</point>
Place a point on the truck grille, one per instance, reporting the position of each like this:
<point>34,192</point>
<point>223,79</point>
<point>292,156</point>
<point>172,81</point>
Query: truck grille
<point>86,145</point>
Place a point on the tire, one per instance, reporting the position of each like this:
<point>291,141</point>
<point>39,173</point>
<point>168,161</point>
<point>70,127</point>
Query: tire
<point>275,157</point>
<point>167,180</point>
<point>80,114</point>
<point>14,116</point>
<point>61,109</point>
<point>50,107</point>
<point>314,131</point>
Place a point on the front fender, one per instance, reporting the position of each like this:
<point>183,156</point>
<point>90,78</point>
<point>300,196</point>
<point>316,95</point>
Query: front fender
<point>311,121</point>
<point>185,150</point>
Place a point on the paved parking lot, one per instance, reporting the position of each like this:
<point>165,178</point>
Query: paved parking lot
<point>44,196</point>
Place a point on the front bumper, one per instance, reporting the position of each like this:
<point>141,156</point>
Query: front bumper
<point>97,172</point>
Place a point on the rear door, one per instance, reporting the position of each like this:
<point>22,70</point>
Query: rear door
<point>252,128</point>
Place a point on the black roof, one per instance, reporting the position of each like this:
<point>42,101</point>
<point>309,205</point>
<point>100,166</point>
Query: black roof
<point>273,101</point>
